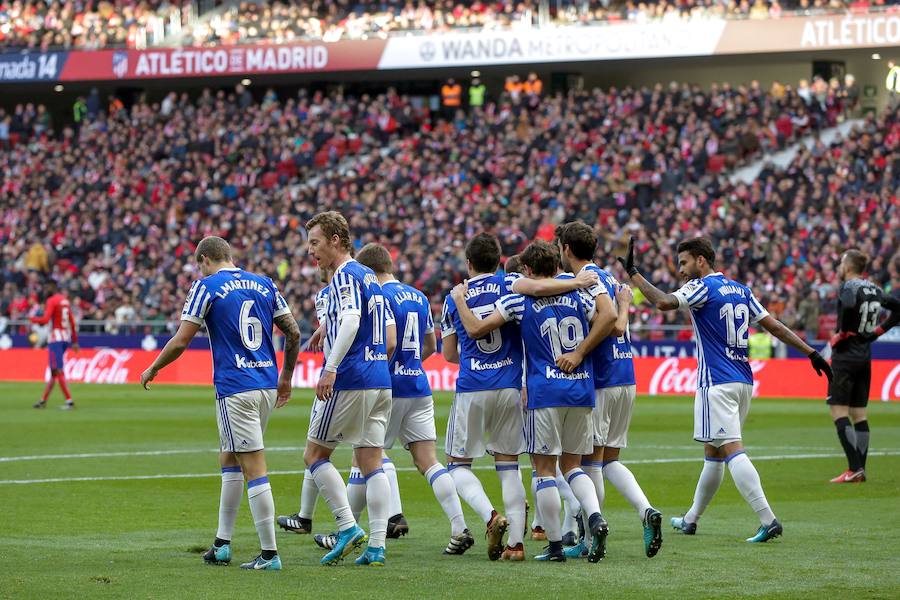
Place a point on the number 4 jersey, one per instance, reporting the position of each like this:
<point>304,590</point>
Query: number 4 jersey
<point>412,313</point>
<point>722,312</point>
<point>238,309</point>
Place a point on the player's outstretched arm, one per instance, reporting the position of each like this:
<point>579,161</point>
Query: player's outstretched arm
<point>601,326</point>
<point>429,345</point>
<point>172,350</point>
<point>287,324</point>
<point>780,331</point>
<point>660,299</point>
<point>554,287</point>
<point>475,327</point>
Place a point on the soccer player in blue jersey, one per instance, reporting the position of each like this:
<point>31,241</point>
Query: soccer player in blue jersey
<point>353,396</point>
<point>412,412</point>
<point>301,521</point>
<point>722,311</point>
<point>558,421</point>
<point>486,414</point>
<point>238,309</point>
<point>614,383</point>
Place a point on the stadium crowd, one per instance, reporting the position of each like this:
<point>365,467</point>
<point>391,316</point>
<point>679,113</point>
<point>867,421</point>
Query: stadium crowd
<point>90,24</point>
<point>112,208</point>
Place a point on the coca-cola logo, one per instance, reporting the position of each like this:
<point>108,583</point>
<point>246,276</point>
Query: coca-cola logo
<point>890,389</point>
<point>671,377</point>
<point>106,366</point>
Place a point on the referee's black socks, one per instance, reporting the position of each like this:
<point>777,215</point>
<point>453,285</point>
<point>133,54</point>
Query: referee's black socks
<point>847,435</point>
<point>862,441</point>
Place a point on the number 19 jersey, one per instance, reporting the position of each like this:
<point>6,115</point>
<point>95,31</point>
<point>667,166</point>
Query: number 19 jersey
<point>238,308</point>
<point>493,362</point>
<point>354,290</point>
<point>722,312</point>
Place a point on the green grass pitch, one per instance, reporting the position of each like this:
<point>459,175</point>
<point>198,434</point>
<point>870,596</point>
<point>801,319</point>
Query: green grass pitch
<point>130,521</point>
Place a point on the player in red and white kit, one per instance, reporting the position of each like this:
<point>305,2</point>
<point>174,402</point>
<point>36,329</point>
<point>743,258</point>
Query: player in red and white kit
<point>63,332</point>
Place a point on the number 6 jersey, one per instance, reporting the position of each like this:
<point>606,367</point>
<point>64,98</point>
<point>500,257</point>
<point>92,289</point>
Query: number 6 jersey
<point>722,312</point>
<point>238,308</point>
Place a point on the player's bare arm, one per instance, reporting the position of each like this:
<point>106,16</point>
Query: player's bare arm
<point>624,297</point>
<point>659,298</point>
<point>316,340</point>
<point>780,331</point>
<point>429,345</point>
<point>172,350</point>
<point>553,286</point>
<point>287,324</point>
<point>475,327</point>
<point>450,349</point>
<point>601,326</point>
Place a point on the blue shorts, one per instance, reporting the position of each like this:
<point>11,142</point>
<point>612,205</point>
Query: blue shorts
<point>57,350</point>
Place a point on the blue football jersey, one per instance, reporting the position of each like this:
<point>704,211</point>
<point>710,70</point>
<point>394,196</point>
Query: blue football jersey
<point>612,358</point>
<point>354,290</point>
<point>551,327</point>
<point>412,316</point>
<point>722,312</point>
<point>238,309</point>
<point>321,311</point>
<point>493,362</point>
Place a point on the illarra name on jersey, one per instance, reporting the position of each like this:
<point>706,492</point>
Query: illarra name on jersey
<point>493,362</point>
<point>722,312</point>
<point>238,308</point>
<point>412,315</point>
<point>354,289</point>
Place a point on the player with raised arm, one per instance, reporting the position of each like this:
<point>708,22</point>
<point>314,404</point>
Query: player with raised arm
<point>722,312</point>
<point>58,313</point>
<point>412,411</point>
<point>614,385</point>
<point>859,304</point>
<point>301,521</point>
<point>558,422</point>
<point>238,309</point>
<point>486,414</point>
<point>353,396</point>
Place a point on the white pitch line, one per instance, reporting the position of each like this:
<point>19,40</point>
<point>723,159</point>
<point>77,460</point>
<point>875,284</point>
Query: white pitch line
<point>648,461</point>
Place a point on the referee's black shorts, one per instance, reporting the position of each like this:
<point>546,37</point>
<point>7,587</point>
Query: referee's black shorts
<point>850,385</point>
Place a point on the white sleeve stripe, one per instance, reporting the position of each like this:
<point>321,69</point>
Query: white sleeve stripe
<point>195,301</point>
<point>204,305</point>
<point>191,319</point>
<point>695,294</point>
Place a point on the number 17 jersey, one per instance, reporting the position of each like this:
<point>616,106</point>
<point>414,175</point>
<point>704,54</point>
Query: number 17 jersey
<point>238,308</point>
<point>722,311</point>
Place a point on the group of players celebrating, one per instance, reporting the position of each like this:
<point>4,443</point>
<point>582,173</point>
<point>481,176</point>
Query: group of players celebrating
<point>545,368</point>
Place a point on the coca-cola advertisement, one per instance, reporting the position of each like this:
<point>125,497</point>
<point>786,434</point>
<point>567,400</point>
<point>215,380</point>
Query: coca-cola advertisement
<point>776,378</point>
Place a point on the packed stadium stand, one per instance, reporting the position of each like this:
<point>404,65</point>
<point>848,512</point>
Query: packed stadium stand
<point>92,24</point>
<point>111,205</point>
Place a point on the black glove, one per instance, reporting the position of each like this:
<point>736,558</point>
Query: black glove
<point>820,365</point>
<point>628,262</point>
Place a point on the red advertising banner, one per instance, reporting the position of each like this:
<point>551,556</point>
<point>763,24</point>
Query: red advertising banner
<point>655,376</point>
<point>309,57</point>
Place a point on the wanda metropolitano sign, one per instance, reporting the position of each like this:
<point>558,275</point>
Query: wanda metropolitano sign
<point>777,378</point>
<point>696,37</point>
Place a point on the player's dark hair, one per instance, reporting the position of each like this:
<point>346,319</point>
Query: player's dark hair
<point>541,257</point>
<point>483,251</point>
<point>858,260</point>
<point>214,248</point>
<point>699,246</point>
<point>513,264</point>
<point>333,224</point>
<point>376,257</point>
<point>580,238</point>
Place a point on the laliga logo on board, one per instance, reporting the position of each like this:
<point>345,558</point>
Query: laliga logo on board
<point>120,64</point>
<point>671,378</point>
<point>890,390</point>
<point>107,366</point>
